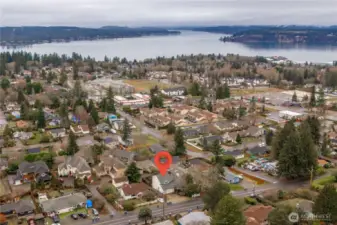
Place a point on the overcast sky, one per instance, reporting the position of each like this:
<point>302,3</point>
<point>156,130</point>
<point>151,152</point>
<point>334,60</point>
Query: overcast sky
<point>95,13</point>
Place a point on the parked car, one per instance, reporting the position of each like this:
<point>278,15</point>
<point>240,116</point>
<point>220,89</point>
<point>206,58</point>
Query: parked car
<point>74,216</point>
<point>83,215</point>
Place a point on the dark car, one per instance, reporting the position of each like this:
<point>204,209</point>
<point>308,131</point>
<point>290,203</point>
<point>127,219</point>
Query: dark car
<point>83,215</point>
<point>74,216</point>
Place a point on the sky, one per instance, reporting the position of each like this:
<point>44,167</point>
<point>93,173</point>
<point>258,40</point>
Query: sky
<point>96,13</point>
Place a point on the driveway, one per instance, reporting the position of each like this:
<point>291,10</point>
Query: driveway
<point>96,194</point>
<point>259,175</point>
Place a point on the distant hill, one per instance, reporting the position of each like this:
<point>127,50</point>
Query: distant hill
<point>36,34</point>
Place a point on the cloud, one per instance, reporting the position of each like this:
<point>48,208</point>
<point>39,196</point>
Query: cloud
<point>95,13</point>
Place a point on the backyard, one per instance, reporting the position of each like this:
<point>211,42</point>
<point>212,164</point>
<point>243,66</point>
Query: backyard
<point>146,85</point>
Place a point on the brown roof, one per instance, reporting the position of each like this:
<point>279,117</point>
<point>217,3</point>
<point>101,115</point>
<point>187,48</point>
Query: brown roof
<point>135,188</point>
<point>258,212</point>
<point>120,179</point>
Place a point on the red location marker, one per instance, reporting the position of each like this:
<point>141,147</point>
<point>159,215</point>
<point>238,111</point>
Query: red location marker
<point>163,161</point>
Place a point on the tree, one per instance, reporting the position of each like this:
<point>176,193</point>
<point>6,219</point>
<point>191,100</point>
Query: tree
<point>228,160</point>
<point>312,102</point>
<point>191,189</point>
<point>75,71</point>
<point>21,97</point>
<point>227,93</point>
<point>279,215</point>
<point>242,111</point>
<point>324,147</point>
<point>63,78</point>
<point>132,173</point>
<point>41,121</point>
<point>216,150</point>
<point>314,128</point>
<point>210,107</point>
<point>202,103</point>
<point>294,98</point>
<point>229,113</point>
<point>8,132</point>
<point>321,98</point>
<point>170,128</point>
<point>94,115</point>
<point>326,203</point>
<point>126,130</point>
<point>179,141</point>
<point>145,214</point>
<point>5,83</point>
<point>72,145</point>
<point>228,212</point>
<point>214,194</point>
<point>238,139</point>
<point>195,89</point>
<point>269,137</point>
<point>280,138</point>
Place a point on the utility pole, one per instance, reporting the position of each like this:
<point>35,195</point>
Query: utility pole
<point>164,201</point>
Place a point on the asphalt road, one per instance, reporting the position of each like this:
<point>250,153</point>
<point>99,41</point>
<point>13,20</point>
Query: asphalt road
<point>121,219</point>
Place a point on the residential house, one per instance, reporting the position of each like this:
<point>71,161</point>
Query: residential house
<point>86,153</point>
<point>125,156</point>
<point>34,150</point>
<point>110,165</point>
<point>209,140</point>
<point>111,141</point>
<point>21,124</point>
<point>164,184</point>
<point>103,127</point>
<point>257,214</point>
<point>158,121</point>
<point>177,120</point>
<point>16,114</point>
<point>75,166</point>
<point>36,171</point>
<point>57,133</point>
<point>80,129</point>
<point>190,133</point>
<point>134,190</point>
<point>226,126</point>
<point>253,131</point>
<point>21,208</point>
<point>196,116</point>
<point>63,204</point>
<point>237,154</point>
<point>119,182</point>
<point>230,137</point>
<point>232,178</point>
<point>23,135</point>
<point>155,148</point>
<point>195,218</point>
<point>3,164</point>
<point>175,91</point>
<point>183,109</point>
<point>258,150</point>
<point>146,166</point>
<point>3,121</point>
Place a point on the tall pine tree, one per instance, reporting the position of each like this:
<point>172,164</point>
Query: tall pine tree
<point>180,148</point>
<point>228,212</point>
<point>41,121</point>
<point>72,147</point>
<point>326,203</point>
<point>126,130</point>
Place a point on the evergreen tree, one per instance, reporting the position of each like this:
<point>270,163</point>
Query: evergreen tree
<point>75,71</point>
<point>238,139</point>
<point>216,150</point>
<point>63,78</point>
<point>24,111</point>
<point>41,121</point>
<point>195,89</point>
<point>269,137</point>
<point>312,102</point>
<point>94,115</point>
<point>324,148</point>
<point>91,105</point>
<point>63,111</point>
<point>180,148</point>
<point>219,93</point>
<point>145,214</point>
<point>210,107</point>
<point>321,98</point>
<point>132,173</point>
<point>171,128</point>
<point>314,128</point>
<point>242,111</point>
<point>227,93</point>
<point>280,215</point>
<point>280,138</point>
<point>8,132</point>
<point>228,212</point>
<point>229,113</point>
<point>202,103</point>
<point>214,194</point>
<point>5,83</point>
<point>21,97</point>
<point>294,98</point>
<point>72,147</point>
<point>126,130</point>
<point>326,203</point>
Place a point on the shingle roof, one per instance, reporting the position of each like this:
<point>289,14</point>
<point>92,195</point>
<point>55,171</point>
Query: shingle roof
<point>76,162</point>
<point>135,188</point>
<point>63,202</point>
<point>20,206</point>
<point>34,167</point>
<point>194,217</point>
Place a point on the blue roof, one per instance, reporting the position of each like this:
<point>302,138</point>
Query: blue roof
<point>33,150</point>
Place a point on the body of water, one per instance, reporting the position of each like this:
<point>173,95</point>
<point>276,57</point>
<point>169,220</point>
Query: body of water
<point>188,42</point>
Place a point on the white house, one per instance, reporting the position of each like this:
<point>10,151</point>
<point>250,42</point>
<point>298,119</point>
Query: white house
<point>74,166</point>
<point>135,190</point>
<point>58,132</point>
<point>80,129</point>
<point>164,184</point>
<point>120,182</point>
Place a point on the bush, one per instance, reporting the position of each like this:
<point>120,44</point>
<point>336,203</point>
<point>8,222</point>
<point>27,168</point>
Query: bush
<point>280,194</point>
<point>320,171</point>
<point>242,162</point>
<point>128,206</point>
<point>61,153</point>
<point>250,201</point>
<point>44,138</point>
<point>228,160</point>
<point>98,204</point>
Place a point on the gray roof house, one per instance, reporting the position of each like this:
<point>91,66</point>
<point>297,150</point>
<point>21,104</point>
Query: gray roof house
<point>209,140</point>
<point>29,171</point>
<point>124,156</point>
<point>22,208</point>
<point>195,218</point>
<point>63,204</point>
<point>74,166</point>
<point>58,132</point>
<point>3,163</point>
<point>169,183</point>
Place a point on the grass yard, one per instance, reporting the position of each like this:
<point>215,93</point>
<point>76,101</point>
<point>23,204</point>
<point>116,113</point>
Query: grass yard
<point>246,91</point>
<point>35,140</point>
<point>236,187</point>
<point>319,183</point>
<point>293,202</point>
<point>80,210</point>
<point>249,139</point>
<point>146,85</point>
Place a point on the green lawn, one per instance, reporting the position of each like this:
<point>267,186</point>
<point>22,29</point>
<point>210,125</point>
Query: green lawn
<point>81,210</point>
<point>249,139</point>
<point>319,183</point>
<point>151,140</point>
<point>35,140</point>
<point>236,187</point>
